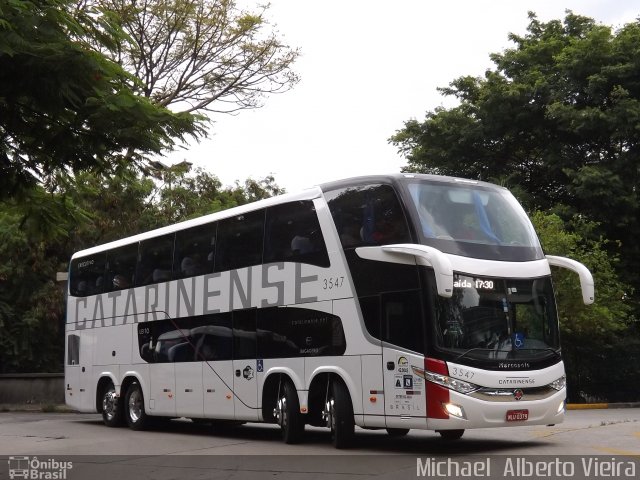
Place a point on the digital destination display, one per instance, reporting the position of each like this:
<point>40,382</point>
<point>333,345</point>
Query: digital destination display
<point>475,283</point>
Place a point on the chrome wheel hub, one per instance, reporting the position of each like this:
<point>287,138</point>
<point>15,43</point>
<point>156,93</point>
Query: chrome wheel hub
<point>328,414</point>
<point>135,406</point>
<point>280,412</point>
<point>110,404</point>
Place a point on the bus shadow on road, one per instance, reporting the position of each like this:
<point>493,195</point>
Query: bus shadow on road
<point>415,443</point>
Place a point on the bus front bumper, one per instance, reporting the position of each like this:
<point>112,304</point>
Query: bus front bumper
<point>478,413</point>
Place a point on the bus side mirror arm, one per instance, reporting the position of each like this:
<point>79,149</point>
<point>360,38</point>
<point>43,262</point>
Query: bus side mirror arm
<point>586,279</point>
<point>403,253</point>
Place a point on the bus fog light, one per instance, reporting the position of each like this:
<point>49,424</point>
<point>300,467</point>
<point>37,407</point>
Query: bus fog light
<point>561,407</point>
<point>454,410</point>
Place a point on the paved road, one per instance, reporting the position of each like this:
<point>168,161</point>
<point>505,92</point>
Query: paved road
<point>182,449</point>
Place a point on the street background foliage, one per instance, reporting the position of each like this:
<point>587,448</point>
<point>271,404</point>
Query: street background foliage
<point>557,121</point>
<point>92,93</point>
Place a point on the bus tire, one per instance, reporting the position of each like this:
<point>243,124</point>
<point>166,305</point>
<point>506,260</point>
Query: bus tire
<point>451,435</point>
<point>288,414</point>
<point>137,418</point>
<point>112,407</point>
<point>397,432</point>
<point>340,413</point>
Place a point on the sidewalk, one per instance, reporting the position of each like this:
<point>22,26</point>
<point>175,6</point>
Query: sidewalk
<point>35,407</point>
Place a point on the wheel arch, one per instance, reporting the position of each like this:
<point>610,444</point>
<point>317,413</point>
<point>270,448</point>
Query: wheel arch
<point>318,389</point>
<point>270,386</point>
<point>105,379</point>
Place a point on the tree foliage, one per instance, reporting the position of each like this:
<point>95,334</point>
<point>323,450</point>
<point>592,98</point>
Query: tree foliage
<point>201,55</point>
<point>556,119</point>
<point>87,209</point>
<point>610,312</point>
<point>63,105</point>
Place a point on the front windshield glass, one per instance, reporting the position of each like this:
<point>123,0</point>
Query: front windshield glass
<point>473,220</point>
<point>489,318</point>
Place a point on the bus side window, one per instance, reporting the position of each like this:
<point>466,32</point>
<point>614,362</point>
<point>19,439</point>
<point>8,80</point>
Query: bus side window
<point>87,275</point>
<point>402,320</point>
<point>213,338</point>
<point>244,334</point>
<point>121,267</point>
<point>194,251</point>
<point>156,260</point>
<point>239,241</point>
<point>73,349</point>
<point>370,307</point>
<point>293,235</point>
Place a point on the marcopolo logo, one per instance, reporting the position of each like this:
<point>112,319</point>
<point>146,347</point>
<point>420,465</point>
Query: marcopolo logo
<point>32,468</point>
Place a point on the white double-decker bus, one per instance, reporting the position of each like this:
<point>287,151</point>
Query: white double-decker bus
<point>399,302</point>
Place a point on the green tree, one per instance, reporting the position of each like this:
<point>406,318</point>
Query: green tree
<point>601,348</point>
<point>184,193</point>
<point>63,105</point>
<point>610,312</point>
<point>74,212</point>
<point>557,120</point>
<point>31,304</point>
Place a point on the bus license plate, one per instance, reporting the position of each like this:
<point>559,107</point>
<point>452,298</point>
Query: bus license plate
<point>517,415</point>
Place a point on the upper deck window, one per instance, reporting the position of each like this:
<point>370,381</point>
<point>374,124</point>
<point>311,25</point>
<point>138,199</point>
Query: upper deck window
<point>87,275</point>
<point>293,235</point>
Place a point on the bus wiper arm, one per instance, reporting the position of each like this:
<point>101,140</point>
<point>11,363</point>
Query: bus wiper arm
<point>463,354</point>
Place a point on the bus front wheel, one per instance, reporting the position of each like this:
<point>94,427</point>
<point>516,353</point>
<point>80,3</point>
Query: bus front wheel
<point>451,434</point>
<point>338,413</point>
<point>288,414</point>
<point>137,419</point>
<point>111,407</point>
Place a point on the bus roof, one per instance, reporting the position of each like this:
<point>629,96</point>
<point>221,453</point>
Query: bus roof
<point>399,177</point>
<point>307,194</point>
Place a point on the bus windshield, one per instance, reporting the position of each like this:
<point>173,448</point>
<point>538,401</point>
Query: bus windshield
<point>473,220</point>
<point>490,318</point>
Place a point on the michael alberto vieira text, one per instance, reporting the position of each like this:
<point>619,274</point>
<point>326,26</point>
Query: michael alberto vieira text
<point>527,467</point>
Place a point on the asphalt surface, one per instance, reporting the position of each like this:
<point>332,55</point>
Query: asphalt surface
<point>182,449</point>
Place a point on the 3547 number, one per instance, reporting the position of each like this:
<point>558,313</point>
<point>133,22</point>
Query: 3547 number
<point>332,282</point>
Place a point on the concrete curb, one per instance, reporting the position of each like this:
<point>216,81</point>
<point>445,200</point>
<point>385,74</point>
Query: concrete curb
<point>36,408</point>
<point>595,406</point>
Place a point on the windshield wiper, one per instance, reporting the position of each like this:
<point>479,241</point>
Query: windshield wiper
<point>510,353</point>
<point>463,354</point>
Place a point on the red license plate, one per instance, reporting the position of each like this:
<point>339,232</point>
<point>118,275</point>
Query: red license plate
<point>517,415</point>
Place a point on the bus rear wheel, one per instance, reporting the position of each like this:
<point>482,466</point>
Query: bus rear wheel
<point>451,434</point>
<point>287,413</point>
<point>137,418</point>
<point>338,414</point>
<point>111,407</point>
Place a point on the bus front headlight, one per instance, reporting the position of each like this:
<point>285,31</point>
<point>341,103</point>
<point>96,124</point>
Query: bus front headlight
<point>559,384</point>
<point>452,383</point>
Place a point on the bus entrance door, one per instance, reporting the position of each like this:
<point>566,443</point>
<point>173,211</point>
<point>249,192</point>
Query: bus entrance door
<point>404,391</point>
<point>245,386</point>
<point>245,382</point>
